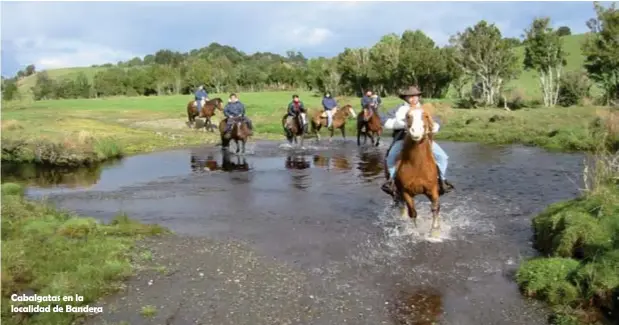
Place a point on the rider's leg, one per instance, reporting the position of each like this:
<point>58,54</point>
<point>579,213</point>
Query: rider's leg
<point>303,118</point>
<point>442,161</point>
<point>329,117</point>
<point>389,186</point>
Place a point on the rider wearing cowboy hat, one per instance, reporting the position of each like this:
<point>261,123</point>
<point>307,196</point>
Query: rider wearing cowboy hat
<point>396,120</point>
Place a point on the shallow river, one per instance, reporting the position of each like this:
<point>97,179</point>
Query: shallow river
<point>322,211</point>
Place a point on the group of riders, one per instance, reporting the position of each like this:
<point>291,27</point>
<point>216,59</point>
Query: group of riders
<point>394,120</point>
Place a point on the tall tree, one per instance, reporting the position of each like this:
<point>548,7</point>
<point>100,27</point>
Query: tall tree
<point>601,50</point>
<point>543,52</point>
<point>485,56</point>
<point>385,59</point>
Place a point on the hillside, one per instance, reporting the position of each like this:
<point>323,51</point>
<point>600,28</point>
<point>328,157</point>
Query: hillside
<point>527,82</point>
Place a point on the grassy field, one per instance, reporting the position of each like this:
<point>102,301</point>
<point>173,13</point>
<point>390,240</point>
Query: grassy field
<point>72,132</point>
<point>51,252</point>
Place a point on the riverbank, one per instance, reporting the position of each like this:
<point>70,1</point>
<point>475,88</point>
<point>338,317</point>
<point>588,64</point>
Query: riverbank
<point>46,251</point>
<point>579,241</point>
<point>83,132</point>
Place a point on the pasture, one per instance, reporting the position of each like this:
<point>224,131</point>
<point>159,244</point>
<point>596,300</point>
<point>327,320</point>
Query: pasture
<point>69,132</point>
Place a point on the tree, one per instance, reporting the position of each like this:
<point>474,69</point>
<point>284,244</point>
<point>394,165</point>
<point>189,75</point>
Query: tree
<point>484,55</point>
<point>353,65</point>
<point>601,50</point>
<point>30,70</point>
<point>513,41</point>
<point>385,60</point>
<point>44,87</point>
<point>9,89</point>
<point>564,31</point>
<point>544,53</point>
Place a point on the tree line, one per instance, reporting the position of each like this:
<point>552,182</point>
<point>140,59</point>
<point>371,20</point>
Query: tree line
<point>477,63</point>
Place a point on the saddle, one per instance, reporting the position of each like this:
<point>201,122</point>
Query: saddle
<point>324,113</point>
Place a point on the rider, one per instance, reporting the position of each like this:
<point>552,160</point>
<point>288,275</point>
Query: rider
<point>235,108</point>
<point>296,107</point>
<point>396,120</point>
<point>329,103</point>
<point>201,94</point>
<point>370,97</point>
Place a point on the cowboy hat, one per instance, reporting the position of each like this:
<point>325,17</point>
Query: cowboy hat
<point>410,91</point>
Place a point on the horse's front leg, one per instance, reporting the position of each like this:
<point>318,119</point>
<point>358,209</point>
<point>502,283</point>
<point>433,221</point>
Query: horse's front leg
<point>410,204</point>
<point>434,198</point>
<point>359,135</point>
<point>238,148</point>
<point>244,142</point>
<point>343,129</point>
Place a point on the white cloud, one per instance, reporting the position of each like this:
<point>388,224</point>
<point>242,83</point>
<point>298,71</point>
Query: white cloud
<point>61,53</point>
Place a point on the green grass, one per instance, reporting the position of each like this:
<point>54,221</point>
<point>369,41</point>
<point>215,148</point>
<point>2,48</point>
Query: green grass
<point>25,85</point>
<point>85,131</point>
<point>578,272</point>
<point>51,252</point>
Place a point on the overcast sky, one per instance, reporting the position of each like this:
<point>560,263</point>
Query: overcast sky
<point>65,34</point>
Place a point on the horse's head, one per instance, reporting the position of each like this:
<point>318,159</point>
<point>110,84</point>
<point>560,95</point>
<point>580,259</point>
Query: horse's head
<point>418,124</point>
<point>347,110</point>
<point>219,104</point>
<point>368,111</point>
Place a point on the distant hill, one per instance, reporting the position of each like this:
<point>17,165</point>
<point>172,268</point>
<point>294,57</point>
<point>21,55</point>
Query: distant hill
<point>528,81</point>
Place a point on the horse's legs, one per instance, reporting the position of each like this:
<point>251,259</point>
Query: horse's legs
<point>377,139</point>
<point>238,148</point>
<point>332,130</point>
<point>343,129</point>
<point>243,142</point>
<point>191,118</point>
<point>359,126</point>
<point>436,209</point>
<point>410,204</point>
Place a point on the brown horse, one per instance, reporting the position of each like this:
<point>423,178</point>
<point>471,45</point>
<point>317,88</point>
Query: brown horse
<point>207,111</point>
<point>339,121</point>
<point>293,128</point>
<point>368,124</point>
<point>239,132</point>
<point>416,170</point>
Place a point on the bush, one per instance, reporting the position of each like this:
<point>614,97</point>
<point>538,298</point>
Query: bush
<point>574,87</point>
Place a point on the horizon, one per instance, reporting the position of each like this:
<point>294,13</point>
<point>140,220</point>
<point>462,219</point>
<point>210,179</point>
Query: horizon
<point>54,35</point>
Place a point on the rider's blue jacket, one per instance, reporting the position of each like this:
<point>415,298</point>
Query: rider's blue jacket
<point>201,94</point>
<point>234,109</point>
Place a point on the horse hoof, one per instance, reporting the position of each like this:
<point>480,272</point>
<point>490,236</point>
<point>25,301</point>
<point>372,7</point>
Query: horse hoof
<point>435,233</point>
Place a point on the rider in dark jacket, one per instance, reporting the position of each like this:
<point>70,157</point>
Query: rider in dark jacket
<point>296,106</point>
<point>369,97</point>
<point>235,108</point>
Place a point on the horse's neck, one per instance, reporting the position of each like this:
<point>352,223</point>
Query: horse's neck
<point>416,152</point>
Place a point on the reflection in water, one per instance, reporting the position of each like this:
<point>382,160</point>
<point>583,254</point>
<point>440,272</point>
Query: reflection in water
<point>423,306</point>
<point>298,165</point>
<point>229,162</point>
<point>338,162</point>
<point>370,164</point>
<point>297,162</point>
<point>37,176</point>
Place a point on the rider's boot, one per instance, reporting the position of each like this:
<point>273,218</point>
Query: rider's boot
<point>389,187</point>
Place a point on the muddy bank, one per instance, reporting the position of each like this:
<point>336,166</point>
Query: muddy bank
<point>319,214</point>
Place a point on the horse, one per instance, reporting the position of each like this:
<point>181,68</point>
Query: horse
<point>368,124</point>
<point>416,170</point>
<point>207,111</point>
<point>293,128</point>
<point>339,121</point>
<point>240,132</point>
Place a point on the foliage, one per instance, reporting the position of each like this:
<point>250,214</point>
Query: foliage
<point>574,87</point>
<point>9,89</point>
<point>544,54</point>
<point>485,57</point>
<point>564,31</point>
<point>601,50</point>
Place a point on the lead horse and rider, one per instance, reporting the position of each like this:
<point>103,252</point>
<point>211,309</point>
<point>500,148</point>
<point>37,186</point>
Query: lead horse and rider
<point>236,125</point>
<point>415,163</point>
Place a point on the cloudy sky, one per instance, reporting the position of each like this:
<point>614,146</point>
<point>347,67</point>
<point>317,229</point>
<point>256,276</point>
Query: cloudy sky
<point>64,34</point>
